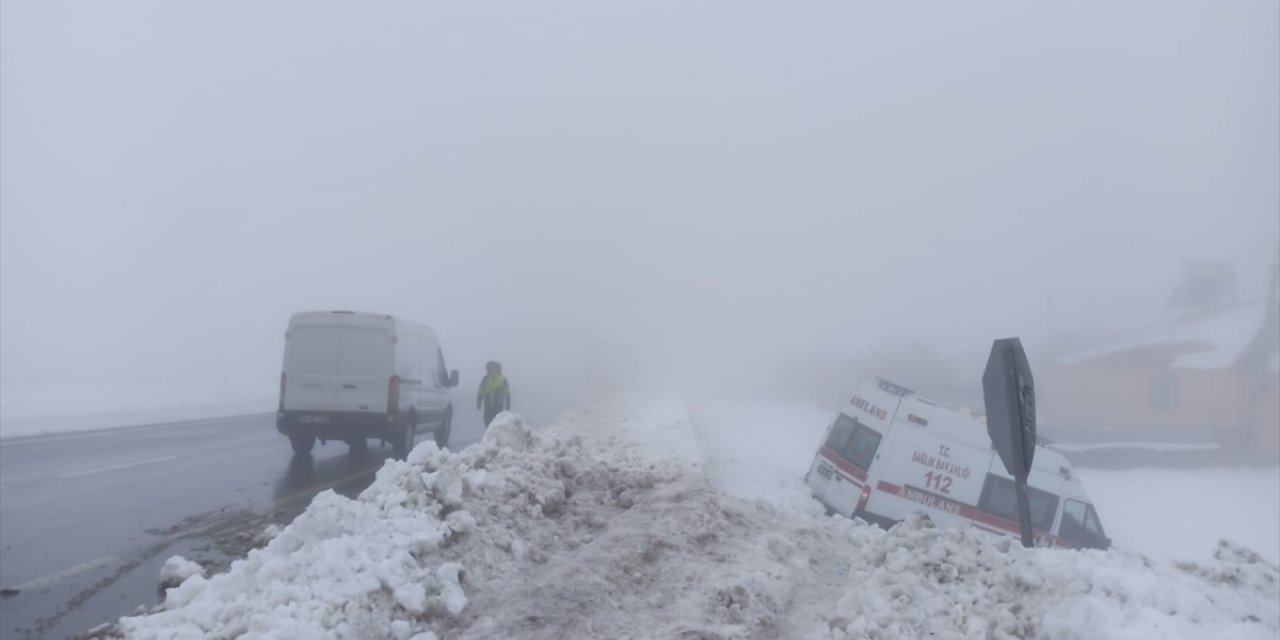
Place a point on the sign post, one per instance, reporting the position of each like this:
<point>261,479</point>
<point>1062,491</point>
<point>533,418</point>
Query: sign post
<point>1009,394</point>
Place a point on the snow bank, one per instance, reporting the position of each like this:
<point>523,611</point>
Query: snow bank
<point>177,569</point>
<point>761,451</point>
<point>919,581</point>
<point>605,526</point>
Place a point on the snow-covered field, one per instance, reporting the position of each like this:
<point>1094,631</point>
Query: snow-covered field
<point>657,521</point>
<point>31,410</point>
<point>1177,514</point>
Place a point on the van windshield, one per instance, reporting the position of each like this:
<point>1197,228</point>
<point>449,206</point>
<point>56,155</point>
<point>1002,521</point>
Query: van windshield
<point>335,350</point>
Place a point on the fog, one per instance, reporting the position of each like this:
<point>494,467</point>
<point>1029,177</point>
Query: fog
<point>688,190</point>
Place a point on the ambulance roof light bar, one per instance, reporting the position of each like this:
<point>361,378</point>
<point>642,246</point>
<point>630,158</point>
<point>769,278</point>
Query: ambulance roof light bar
<point>895,389</point>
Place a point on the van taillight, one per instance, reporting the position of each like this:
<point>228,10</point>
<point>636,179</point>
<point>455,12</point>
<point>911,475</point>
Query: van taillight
<point>864,498</point>
<point>393,394</point>
<point>283,377</point>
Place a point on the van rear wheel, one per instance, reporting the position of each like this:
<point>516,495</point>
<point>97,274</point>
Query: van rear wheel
<point>408,433</point>
<point>358,446</point>
<point>302,444</point>
<point>442,434</point>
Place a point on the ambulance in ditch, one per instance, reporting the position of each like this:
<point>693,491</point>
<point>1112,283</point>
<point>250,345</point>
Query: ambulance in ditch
<point>890,452</point>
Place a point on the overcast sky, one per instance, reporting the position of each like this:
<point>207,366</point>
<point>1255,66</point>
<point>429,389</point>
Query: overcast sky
<point>529,178</point>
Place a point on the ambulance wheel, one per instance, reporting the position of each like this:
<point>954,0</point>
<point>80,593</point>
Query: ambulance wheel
<point>302,445</point>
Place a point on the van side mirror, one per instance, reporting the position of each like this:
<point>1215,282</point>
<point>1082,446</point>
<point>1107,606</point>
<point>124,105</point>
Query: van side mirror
<point>453,378</point>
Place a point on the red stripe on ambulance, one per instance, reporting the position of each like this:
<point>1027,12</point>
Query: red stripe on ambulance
<point>982,519</point>
<point>844,465</point>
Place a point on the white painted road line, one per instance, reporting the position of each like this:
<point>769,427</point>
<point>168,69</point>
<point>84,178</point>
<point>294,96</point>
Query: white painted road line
<point>119,466</point>
<point>58,576</point>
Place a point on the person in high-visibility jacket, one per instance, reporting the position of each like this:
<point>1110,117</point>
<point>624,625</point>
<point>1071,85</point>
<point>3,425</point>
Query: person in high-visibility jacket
<point>495,392</point>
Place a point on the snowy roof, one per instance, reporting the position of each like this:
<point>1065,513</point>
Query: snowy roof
<point>1212,340</point>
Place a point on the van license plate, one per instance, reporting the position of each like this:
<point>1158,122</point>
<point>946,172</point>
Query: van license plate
<point>314,419</point>
<point>825,470</point>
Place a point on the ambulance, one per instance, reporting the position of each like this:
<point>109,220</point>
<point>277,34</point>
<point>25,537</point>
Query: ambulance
<point>890,453</point>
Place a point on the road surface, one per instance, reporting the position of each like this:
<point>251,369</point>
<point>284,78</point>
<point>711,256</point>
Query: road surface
<point>86,519</point>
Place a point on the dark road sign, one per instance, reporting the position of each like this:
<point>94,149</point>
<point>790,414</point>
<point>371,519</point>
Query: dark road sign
<point>1008,391</point>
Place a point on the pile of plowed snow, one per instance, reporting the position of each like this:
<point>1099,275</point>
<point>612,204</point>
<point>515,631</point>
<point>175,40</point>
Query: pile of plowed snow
<point>605,526</point>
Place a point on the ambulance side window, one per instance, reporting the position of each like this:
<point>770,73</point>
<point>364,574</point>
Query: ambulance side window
<point>1000,498</point>
<point>840,433</point>
<point>1073,513</point>
<point>861,449</point>
<point>1091,523</point>
<point>853,441</point>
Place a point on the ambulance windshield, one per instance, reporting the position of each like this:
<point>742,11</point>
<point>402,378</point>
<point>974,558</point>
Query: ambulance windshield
<point>1081,527</point>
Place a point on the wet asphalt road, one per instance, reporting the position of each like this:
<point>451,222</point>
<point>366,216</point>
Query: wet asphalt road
<point>86,519</point>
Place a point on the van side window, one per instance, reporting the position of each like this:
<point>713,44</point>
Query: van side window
<point>425,363</point>
<point>406,345</point>
<point>1000,498</point>
<point>853,441</point>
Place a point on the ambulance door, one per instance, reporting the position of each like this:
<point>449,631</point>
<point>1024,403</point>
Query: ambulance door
<point>925,471</point>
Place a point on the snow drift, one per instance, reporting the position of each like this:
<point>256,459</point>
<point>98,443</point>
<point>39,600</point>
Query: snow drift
<point>604,525</point>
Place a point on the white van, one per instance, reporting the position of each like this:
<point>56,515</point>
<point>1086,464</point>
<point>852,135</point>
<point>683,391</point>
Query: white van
<point>890,453</point>
<point>358,376</point>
